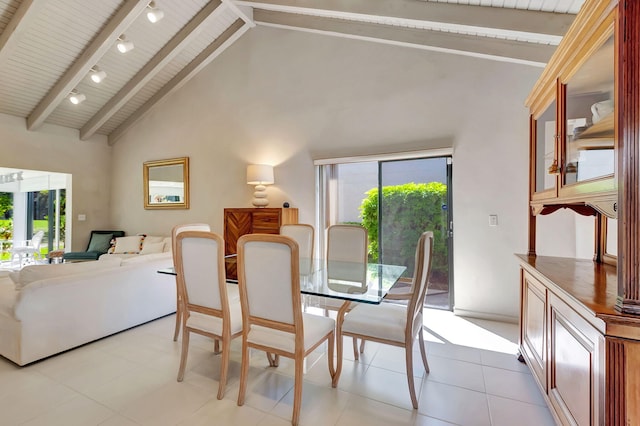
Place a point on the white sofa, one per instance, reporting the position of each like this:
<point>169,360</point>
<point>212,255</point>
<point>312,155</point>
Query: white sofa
<point>47,309</point>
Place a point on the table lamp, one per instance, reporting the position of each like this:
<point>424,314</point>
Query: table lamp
<point>260,175</point>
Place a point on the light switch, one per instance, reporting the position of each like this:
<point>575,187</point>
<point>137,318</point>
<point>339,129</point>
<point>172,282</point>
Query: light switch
<point>493,220</point>
<point>82,217</point>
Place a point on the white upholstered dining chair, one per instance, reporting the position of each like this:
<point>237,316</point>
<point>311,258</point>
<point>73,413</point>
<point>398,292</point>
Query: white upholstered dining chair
<point>207,308</point>
<point>345,243</point>
<point>392,324</point>
<point>273,321</point>
<point>174,233</point>
<point>303,234</point>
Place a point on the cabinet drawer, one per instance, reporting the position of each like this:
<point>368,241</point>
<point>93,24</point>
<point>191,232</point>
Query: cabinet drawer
<point>267,221</point>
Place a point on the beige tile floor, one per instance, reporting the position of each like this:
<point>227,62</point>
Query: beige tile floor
<point>130,379</point>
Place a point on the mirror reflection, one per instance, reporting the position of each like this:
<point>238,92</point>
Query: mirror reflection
<point>166,184</point>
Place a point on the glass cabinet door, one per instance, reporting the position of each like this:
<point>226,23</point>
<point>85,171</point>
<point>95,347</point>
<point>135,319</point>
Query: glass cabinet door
<point>545,150</point>
<point>589,114</point>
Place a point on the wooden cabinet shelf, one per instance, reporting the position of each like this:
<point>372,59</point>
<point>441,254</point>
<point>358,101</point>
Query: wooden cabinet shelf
<point>600,130</point>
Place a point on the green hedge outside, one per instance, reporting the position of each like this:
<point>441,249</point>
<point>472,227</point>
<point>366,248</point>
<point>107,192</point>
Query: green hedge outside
<point>410,209</point>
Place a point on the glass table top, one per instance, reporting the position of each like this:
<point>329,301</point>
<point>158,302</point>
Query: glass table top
<point>357,282</point>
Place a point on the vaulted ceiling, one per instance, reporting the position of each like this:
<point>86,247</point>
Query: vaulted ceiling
<point>49,47</point>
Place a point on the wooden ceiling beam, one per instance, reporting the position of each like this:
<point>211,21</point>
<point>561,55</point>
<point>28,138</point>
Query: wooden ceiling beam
<point>79,69</point>
<point>226,39</point>
<point>21,20</point>
<point>517,20</point>
<point>152,68</point>
<point>491,48</point>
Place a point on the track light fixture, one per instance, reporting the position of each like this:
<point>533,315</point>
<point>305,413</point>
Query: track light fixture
<point>97,75</point>
<point>124,45</point>
<point>76,98</point>
<point>154,14</point>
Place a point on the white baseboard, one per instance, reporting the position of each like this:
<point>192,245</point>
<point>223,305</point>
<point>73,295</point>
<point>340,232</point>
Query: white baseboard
<point>485,316</point>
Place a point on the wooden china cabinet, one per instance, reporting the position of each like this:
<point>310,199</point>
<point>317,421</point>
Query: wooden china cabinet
<point>241,221</point>
<point>580,319</point>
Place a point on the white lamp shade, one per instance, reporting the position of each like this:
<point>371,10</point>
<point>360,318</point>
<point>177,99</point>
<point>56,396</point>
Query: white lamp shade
<point>259,174</point>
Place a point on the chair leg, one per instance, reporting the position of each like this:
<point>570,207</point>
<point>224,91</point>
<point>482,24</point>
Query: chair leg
<point>183,354</point>
<point>408,350</point>
<point>274,360</point>
<point>332,369</point>
<point>224,369</point>
<point>244,370</point>
<point>176,332</point>
<point>356,355</point>
<point>216,346</point>
<point>362,346</point>
<point>297,390</point>
<point>336,375</point>
<point>423,352</point>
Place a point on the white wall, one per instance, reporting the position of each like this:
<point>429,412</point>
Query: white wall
<point>285,98</point>
<point>59,149</point>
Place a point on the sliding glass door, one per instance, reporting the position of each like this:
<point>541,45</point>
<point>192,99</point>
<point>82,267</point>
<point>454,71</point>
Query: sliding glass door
<point>395,200</point>
<point>415,198</point>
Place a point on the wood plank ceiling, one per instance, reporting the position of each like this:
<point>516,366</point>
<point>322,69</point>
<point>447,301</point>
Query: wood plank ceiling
<point>48,47</point>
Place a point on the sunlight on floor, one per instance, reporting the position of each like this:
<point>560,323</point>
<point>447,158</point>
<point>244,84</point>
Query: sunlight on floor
<point>444,327</point>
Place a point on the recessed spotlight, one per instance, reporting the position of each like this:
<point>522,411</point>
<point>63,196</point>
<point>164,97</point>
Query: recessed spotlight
<point>76,98</point>
<point>97,75</point>
<point>124,45</point>
<point>154,14</point>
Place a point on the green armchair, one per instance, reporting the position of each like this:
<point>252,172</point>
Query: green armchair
<point>99,244</point>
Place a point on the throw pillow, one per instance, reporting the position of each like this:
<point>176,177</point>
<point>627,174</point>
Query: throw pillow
<point>149,248</point>
<point>128,244</point>
<point>150,239</point>
<point>100,242</point>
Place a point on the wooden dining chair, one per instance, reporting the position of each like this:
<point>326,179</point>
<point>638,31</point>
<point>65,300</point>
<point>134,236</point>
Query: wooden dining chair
<point>208,310</point>
<point>174,233</point>
<point>303,234</point>
<point>389,323</point>
<point>273,321</point>
<point>345,243</point>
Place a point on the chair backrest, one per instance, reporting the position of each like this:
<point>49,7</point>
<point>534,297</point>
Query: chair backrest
<point>36,240</point>
<point>302,234</point>
<point>269,281</point>
<point>200,272</point>
<point>182,228</point>
<point>420,284</point>
<point>347,243</point>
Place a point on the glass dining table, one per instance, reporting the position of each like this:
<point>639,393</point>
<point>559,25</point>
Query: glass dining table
<point>349,281</point>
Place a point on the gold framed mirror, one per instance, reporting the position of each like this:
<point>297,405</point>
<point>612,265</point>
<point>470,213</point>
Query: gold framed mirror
<point>166,184</point>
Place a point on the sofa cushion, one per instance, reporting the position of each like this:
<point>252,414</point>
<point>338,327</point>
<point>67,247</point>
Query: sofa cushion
<point>128,244</point>
<point>146,258</point>
<point>149,248</point>
<point>82,255</point>
<point>33,273</point>
<point>100,242</point>
<point>167,244</point>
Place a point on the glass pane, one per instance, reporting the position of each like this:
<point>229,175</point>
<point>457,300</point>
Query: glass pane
<point>414,200</point>
<point>545,148</point>
<point>353,182</point>
<point>590,118</point>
